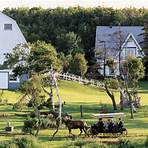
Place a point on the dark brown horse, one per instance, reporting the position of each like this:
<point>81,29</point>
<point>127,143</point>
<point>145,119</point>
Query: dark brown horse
<point>75,124</point>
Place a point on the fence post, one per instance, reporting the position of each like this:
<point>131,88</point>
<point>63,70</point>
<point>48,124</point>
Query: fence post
<point>79,79</point>
<point>81,111</point>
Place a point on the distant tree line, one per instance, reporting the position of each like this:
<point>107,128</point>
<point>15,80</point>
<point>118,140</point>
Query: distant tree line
<point>73,30</point>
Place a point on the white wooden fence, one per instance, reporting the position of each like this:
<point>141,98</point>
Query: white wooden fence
<point>76,78</point>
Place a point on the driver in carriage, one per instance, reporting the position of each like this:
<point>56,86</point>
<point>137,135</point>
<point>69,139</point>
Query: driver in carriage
<point>100,125</point>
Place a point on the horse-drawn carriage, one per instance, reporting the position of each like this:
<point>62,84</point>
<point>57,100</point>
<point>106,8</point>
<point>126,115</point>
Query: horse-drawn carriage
<point>106,125</point>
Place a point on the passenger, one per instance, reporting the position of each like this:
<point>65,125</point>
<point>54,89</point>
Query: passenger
<point>120,124</point>
<point>110,125</point>
<point>100,125</point>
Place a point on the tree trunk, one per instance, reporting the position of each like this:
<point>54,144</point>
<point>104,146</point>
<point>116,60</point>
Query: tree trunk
<point>104,69</point>
<point>38,128</point>
<point>51,97</point>
<point>104,60</point>
<point>120,63</point>
<point>121,101</point>
<point>58,95</point>
<point>130,102</point>
<point>37,113</point>
<point>111,95</point>
<point>121,93</point>
<point>50,94</point>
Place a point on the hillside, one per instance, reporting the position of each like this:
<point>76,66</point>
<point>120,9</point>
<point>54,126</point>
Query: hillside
<point>75,92</point>
<point>92,99</point>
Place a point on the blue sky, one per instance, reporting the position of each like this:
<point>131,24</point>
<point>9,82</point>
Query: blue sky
<point>67,3</point>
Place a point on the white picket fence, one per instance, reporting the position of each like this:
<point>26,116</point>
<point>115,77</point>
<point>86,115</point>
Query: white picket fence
<point>76,78</point>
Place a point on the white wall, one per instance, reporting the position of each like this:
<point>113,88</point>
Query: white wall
<point>130,49</point>
<point>9,38</point>
<point>4,78</point>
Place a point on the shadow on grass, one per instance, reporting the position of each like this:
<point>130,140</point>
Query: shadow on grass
<point>56,138</point>
<point>88,109</point>
<point>140,120</point>
<point>143,87</point>
<point>138,124</point>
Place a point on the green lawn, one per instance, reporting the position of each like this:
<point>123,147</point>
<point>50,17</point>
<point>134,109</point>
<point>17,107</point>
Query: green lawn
<point>92,99</point>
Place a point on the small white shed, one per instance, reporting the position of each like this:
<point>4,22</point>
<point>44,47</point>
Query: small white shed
<point>4,79</point>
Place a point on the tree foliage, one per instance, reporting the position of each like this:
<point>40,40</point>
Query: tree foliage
<point>42,57</point>
<point>68,42</point>
<point>146,46</point>
<point>33,89</point>
<point>35,58</point>
<point>55,25</point>
<point>18,59</point>
<point>133,69</point>
<point>78,65</point>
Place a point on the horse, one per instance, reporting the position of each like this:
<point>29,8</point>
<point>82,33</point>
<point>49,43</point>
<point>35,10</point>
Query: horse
<point>75,124</point>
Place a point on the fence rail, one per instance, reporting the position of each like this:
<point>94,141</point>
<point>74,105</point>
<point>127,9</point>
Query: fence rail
<point>76,78</point>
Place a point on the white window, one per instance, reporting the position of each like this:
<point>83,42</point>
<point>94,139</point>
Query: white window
<point>12,77</point>
<point>7,26</point>
<point>130,51</point>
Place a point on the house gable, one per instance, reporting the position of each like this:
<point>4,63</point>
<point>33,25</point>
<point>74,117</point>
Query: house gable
<point>131,38</point>
<point>131,47</point>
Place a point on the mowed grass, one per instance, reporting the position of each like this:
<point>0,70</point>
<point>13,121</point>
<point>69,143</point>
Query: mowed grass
<point>75,92</point>
<point>92,99</point>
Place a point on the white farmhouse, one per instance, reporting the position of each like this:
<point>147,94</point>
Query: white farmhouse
<point>10,36</point>
<point>111,39</point>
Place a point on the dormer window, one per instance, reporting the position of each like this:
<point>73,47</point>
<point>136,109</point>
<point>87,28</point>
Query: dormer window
<point>8,27</point>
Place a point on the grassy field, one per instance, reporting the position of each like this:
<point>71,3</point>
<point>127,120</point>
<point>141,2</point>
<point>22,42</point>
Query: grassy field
<point>92,99</point>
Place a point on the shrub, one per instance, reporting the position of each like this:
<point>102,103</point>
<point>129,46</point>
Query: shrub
<point>30,125</point>
<point>24,142</point>
<point>112,83</point>
<point>95,145</point>
<point>18,106</point>
<point>146,142</point>
<point>123,143</point>
<point>48,123</point>
<point>27,142</point>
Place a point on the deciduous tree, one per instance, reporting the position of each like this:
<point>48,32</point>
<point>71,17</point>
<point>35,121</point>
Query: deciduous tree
<point>132,71</point>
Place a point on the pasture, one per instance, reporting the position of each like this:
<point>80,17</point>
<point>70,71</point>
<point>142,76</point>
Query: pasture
<point>92,99</point>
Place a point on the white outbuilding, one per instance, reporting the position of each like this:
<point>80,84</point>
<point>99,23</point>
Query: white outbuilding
<point>10,36</point>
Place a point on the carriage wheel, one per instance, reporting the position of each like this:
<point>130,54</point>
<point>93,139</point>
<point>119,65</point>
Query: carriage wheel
<point>90,133</point>
<point>124,132</point>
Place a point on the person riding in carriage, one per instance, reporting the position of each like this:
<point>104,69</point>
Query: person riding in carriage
<point>110,126</point>
<point>100,125</point>
<point>120,124</point>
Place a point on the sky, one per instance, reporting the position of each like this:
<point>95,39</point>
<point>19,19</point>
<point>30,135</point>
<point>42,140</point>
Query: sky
<point>68,3</point>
